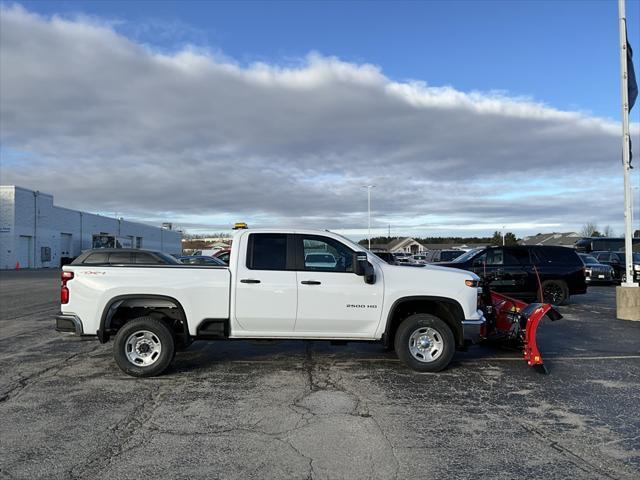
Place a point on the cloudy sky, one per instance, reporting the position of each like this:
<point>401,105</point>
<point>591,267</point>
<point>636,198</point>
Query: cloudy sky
<point>465,118</point>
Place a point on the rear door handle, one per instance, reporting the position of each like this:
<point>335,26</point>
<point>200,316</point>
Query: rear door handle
<point>249,280</point>
<point>310,282</point>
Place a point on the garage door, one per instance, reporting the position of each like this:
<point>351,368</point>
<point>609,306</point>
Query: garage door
<point>65,244</point>
<point>25,251</point>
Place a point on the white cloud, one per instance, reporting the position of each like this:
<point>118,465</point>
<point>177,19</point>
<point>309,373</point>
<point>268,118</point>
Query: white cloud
<point>108,124</point>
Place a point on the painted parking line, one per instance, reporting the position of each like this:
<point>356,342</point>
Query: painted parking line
<point>470,360</point>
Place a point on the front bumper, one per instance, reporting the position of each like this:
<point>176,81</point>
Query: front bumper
<point>474,330</point>
<point>69,324</point>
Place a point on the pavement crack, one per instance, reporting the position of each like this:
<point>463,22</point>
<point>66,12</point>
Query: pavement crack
<point>123,432</point>
<point>24,382</point>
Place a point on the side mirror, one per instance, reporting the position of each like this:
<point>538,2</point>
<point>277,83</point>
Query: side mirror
<point>363,268</point>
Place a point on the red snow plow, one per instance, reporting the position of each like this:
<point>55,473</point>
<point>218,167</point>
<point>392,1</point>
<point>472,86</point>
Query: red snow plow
<point>515,322</point>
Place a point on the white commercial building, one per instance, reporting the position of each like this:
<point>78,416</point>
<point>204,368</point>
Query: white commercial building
<point>35,233</point>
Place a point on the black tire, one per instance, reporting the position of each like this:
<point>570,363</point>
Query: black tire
<point>159,350</point>
<point>554,292</point>
<point>423,324</point>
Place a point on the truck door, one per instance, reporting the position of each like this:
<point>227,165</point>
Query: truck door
<point>332,300</point>
<point>266,288</point>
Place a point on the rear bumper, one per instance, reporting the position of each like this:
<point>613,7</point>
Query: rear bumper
<point>69,324</point>
<point>474,330</point>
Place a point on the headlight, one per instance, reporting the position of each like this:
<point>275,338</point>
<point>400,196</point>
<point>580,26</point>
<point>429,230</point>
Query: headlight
<point>636,268</point>
<point>471,283</point>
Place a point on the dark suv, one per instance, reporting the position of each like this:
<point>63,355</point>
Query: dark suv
<point>524,271</point>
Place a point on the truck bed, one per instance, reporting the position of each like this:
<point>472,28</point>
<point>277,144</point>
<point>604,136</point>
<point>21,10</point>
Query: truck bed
<point>202,291</point>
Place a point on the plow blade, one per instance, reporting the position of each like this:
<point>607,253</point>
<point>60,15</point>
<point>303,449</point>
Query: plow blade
<point>531,316</point>
<point>519,320</point>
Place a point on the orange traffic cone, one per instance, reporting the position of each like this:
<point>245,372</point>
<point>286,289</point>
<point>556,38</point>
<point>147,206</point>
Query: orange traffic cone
<point>18,265</point>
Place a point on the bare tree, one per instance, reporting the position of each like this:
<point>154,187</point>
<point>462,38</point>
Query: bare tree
<point>607,231</point>
<point>588,229</point>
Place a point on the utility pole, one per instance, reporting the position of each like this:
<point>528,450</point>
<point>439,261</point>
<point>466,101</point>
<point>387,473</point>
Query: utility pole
<point>622,21</point>
<point>503,242</point>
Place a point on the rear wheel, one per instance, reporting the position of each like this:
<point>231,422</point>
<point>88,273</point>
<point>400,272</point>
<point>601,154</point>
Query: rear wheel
<point>144,347</point>
<point>424,343</point>
<point>554,292</point>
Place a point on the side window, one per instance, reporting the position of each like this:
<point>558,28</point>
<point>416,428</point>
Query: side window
<point>495,256</point>
<point>516,256</point>
<point>225,257</point>
<point>323,254</point>
<point>96,258</point>
<point>558,255</point>
<point>267,251</point>
<point>120,257</point>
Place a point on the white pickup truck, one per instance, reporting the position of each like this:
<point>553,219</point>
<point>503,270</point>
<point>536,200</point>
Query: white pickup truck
<point>280,284</point>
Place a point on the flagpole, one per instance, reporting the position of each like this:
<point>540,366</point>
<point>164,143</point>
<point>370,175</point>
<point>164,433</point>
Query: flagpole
<point>625,146</point>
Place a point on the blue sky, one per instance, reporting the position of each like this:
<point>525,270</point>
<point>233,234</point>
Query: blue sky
<point>467,116</point>
<point>558,52</point>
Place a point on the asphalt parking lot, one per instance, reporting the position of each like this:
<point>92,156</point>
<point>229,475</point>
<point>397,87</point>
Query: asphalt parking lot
<point>311,410</point>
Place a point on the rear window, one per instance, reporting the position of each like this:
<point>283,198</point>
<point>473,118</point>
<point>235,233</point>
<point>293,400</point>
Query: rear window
<point>557,255</point>
<point>268,251</point>
<point>120,257</point>
<point>96,258</point>
<point>147,259</point>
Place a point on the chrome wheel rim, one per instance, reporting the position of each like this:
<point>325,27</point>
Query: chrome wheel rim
<point>143,348</point>
<point>426,344</point>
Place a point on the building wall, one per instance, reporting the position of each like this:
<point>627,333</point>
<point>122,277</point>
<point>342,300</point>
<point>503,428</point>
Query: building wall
<point>29,218</point>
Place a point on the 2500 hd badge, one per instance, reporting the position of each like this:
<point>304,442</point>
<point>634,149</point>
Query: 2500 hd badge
<point>351,305</point>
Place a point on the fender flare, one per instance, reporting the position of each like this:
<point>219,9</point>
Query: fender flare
<point>115,302</point>
<point>457,312</point>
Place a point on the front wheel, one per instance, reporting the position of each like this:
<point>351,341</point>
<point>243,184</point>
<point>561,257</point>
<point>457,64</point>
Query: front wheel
<point>554,292</point>
<point>144,347</point>
<point>425,343</point>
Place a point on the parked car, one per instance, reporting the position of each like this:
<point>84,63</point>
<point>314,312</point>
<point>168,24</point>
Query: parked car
<point>524,271</point>
<point>419,258</point>
<point>596,272</point>
<point>617,261</point>
<point>124,256</point>
<point>444,255</point>
<point>202,260</point>
<point>223,255</point>
<point>321,260</point>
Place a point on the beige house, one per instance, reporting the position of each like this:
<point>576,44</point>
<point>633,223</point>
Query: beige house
<point>405,245</point>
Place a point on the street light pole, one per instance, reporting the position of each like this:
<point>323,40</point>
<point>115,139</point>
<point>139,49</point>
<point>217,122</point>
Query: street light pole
<point>369,187</point>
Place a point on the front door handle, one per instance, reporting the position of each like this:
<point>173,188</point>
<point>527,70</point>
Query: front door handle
<point>249,280</point>
<point>310,282</point>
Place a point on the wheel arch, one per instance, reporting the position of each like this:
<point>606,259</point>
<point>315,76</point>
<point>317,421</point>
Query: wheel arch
<point>148,301</point>
<point>447,309</point>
